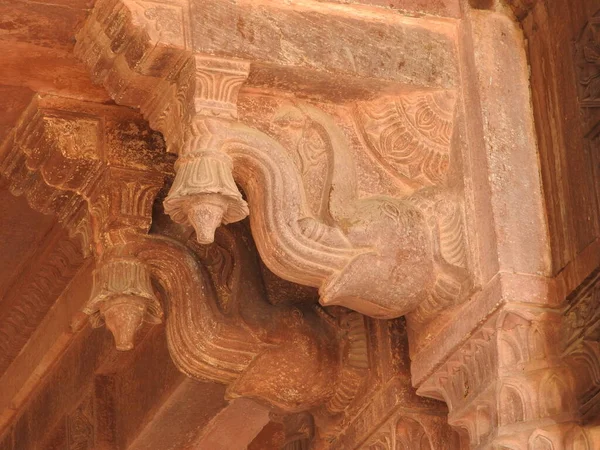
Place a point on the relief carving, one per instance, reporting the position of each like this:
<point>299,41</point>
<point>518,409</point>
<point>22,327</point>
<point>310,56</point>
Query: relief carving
<point>81,426</point>
<point>308,220</point>
<point>25,308</point>
<point>314,359</point>
<point>409,433</point>
<point>47,159</point>
<point>587,59</point>
<point>580,342</point>
<point>521,380</point>
<point>512,361</point>
<point>388,414</point>
<point>410,136</point>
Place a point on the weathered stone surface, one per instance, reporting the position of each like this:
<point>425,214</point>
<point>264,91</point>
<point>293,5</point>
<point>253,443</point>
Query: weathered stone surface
<point>450,8</point>
<point>266,33</point>
<point>433,159</point>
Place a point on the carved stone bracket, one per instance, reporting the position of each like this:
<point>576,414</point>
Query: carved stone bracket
<point>88,166</point>
<point>381,255</point>
<point>292,358</point>
<point>393,247</point>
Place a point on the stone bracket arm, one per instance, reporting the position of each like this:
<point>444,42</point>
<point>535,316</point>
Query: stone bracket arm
<point>377,255</point>
<point>297,362</point>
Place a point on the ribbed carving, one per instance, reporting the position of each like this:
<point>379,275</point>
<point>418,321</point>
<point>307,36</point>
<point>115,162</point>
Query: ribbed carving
<point>123,297</point>
<point>200,174</point>
<point>24,307</point>
<point>218,82</point>
<point>356,357</point>
<point>50,159</point>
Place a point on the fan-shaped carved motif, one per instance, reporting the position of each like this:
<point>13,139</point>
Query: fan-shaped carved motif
<point>410,136</point>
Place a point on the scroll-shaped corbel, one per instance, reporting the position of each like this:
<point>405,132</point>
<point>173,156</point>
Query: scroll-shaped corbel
<point>291,357</point>
<point>375,256</point>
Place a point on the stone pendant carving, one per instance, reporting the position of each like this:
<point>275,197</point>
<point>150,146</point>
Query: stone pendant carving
<point>204,194</point>
<point>123,298</point>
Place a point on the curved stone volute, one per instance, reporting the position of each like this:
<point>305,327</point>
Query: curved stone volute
<point>377,255</point>
<point>288,357</point>
<point>380,264</point>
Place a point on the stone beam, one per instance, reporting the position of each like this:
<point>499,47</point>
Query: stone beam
<point>37,49</point>
<point>234,427</point>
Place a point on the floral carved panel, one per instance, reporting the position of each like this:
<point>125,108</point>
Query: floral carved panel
<point>411,135</point>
